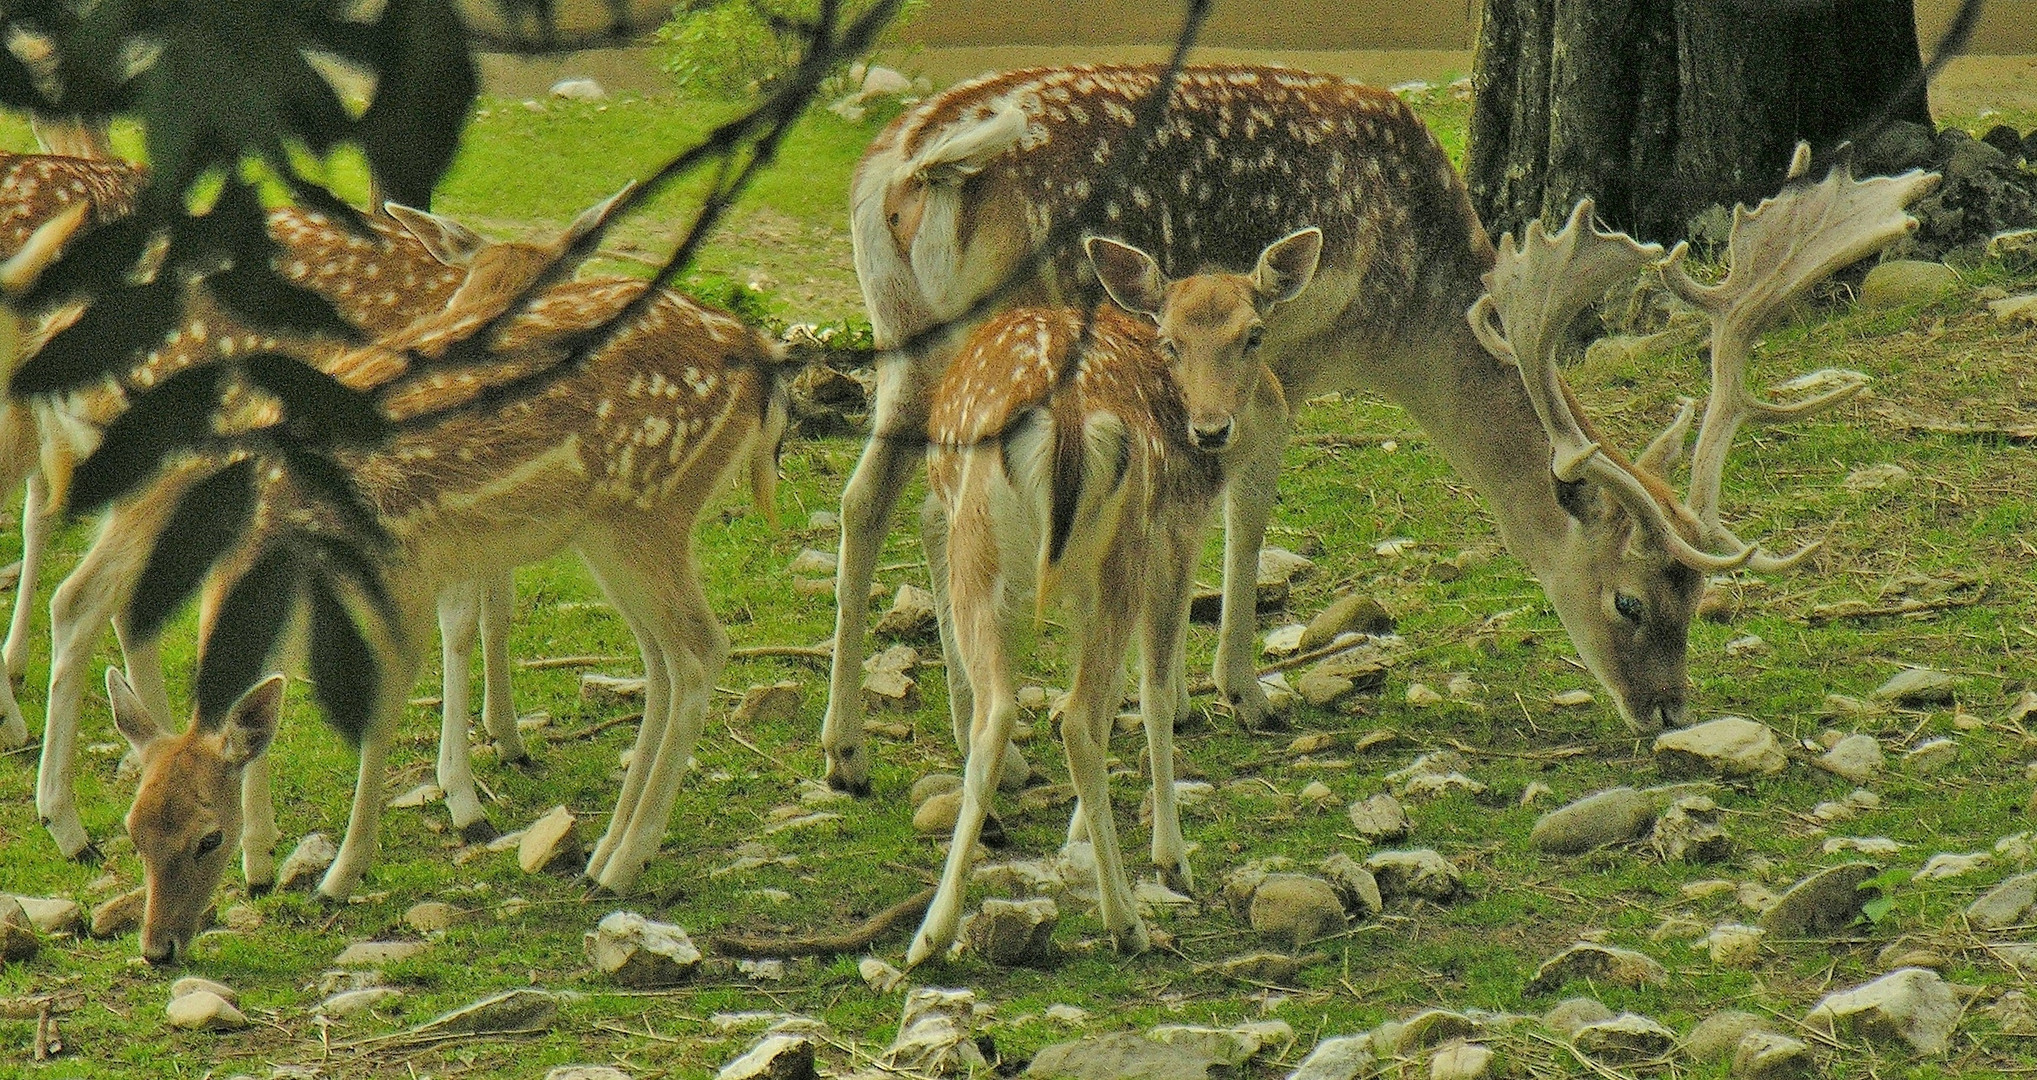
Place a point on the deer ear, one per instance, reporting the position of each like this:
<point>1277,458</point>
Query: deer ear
<point>130,717</point>
<point>251,723</point>
<point>1288,265</point>
<point>444,239</point>
<point>595,216</point>
<point>1131,277</point>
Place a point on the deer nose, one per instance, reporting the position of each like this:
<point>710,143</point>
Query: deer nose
<point>1210,435</point>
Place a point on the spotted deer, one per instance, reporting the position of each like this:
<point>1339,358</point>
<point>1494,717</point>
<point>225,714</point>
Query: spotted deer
<point>1081,462</point>
<point>953,196</point>
<point>614,459</point>
<point>378,283</point>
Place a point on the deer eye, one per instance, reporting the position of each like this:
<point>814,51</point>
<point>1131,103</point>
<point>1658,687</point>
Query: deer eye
<point>1257,335</point>
<point>1629,607</point>
<point>210,842</point>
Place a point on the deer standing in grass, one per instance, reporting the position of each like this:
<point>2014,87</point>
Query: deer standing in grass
<point>378,283</point>
<point>960,189</point>
<point>614,459</point>
<point>1081,462</point>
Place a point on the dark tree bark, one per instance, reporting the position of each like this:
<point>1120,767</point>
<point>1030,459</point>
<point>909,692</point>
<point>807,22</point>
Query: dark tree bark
<point>1660,108</point>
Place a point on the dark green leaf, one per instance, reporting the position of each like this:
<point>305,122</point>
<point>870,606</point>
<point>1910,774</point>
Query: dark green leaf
<point>426,84</point>
<point>17,84</point>
<point>257,295</point>
<point>205,525</point>
<point>234,230</point>
<point>345,674</point>
<point>324,481</point>
<point>340,559</point>
<point>171,418</point>
<point>108,339</point>
<point>91,264</point>
<point>318,410</point>
<point>245,630</point>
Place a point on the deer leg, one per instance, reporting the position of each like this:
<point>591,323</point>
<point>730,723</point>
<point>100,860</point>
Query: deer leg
<point>1085,723</point>
<point>459,614</point>
<point>258,832</point>
<point>498,704</point>
<point>867,502</point>
<point>79,611</point>
<point>34,539</point>
<point>661,589</point>
<point>1163,696</point>
<point>650,734</point>
<point>980,648</point>
<point>1012,775</point>
<point>1248,506</point>
<point>357,851</point>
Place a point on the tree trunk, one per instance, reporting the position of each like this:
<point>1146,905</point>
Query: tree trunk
<point>1658,109</point>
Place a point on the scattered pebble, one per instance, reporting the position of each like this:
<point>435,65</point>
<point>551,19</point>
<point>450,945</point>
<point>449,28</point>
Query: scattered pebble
<point>307,862</point>
<point>120,915</point>
<point>203,1010</point>
<point>552,843</point>
<point>636,952</point>
<point>1729,746</point>
<point>1825,903</point>
<point>1913,1006</point>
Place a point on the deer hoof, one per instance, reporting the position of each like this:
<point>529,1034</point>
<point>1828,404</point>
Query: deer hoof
<point>479,831</point>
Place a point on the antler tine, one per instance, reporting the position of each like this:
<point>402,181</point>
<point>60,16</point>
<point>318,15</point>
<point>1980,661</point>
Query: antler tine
<point>1534,290</point>
<point>1665,448</point>
<point>1778,250</point>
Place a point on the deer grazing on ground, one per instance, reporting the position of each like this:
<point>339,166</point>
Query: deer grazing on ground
<point>1082,463</point>
<point>378,283</point>
<point>614,458</point>
<point>961,189</point>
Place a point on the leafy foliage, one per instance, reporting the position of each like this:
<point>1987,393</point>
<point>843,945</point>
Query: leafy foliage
<point>734,48</point>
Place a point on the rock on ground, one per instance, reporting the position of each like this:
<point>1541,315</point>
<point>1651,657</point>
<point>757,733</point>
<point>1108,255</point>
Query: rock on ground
<point>1124,1056</point>
<point>1353,613</point>
<point>774,1057</point>
<point>935,1036</point>
<point>1918,686</point>
<point>1728,746</point>
<point>1343,1057</point>
<point>1609,817</point>
<point>51,915</point>
<point>1600,963</point>
<point>18,940</point>
<point>1296,908</point>
<point>430,916</point>
<point>911,615</point>
<point>1626,1037</point>
<point>1009,933</point>
<point>522,1009</point>
<point>191,984</point>
<point>1714,1037</point>
<point>1232,1045</point>
<point>1912,1005</point>
<point>1824,903</point>
<point>2007,904</point>
<point>1461,1061</point>
<point>1417,874</point>
<point>1354,885</point>
<point>1432,1027</point>
<point>1571,1014</point>
<point>1764,1055</point>
<point>1904,281</point>
<point>1856,757</point>
<point>551,843</point>
<point>1732,945</point>
<point>203,1010</point>
<point>355,1002</point>
<point>306,862</point>
<point>637,952</point>
<point>1689,830</point>
<point>767,704</point>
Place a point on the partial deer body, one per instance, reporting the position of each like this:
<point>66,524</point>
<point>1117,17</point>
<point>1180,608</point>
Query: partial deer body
<point>958,190</point>
<point>378,283</point>
<point>1081,463</point>
<point>614,459</point>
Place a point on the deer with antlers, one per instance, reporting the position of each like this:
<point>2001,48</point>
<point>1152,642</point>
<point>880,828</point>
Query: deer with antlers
<point>379,281</point>
<point>1084,460</point>
<point>614,458</point>
<point>958,192</point>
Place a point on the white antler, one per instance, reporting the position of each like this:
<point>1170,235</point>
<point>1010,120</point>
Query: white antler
<point>1777,250</point>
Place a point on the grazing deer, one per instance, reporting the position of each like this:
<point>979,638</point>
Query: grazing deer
<point>614,459</point>
<point>959,190</point>
<point>378,283</point>
<point>1084,460</point>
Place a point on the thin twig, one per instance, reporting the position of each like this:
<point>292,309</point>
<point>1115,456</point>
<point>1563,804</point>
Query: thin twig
<point>856,940</point>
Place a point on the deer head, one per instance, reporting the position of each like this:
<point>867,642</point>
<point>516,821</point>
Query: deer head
<point>1210,324</point>
<point>1628,577</point>
<point>186,817</point>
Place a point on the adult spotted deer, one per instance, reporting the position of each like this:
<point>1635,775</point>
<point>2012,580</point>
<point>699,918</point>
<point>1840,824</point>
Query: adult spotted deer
<point>960,190</point>
<point>615,458</point>
<point>378,283</point>
<point>1081,461</point>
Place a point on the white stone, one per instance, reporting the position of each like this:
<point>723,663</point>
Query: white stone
<point>1931,755</point>
<point>356,1002</point>
<point>1856,757</point>
<point>637,952</point>
<point>1911,1004</point>
<point>1284,640</point>
<point>1728,746</point>
<point>879,975</point>
<point>1733,945</point>
<point>307,862</point>
<point>1950,865</point>
<point>551,842</point>
<point>203,1010</point>
<point>192,984</point>
<point>578,90</point>
<point>1461,1061</point>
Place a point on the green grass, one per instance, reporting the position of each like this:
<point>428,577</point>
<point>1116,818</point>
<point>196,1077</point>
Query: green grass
<point>1964,510</point>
